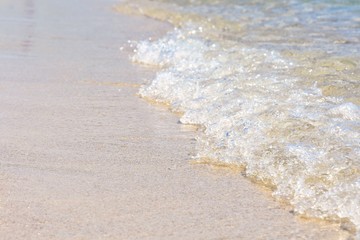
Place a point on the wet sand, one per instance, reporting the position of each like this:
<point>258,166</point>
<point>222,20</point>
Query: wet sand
<point>82,157</point>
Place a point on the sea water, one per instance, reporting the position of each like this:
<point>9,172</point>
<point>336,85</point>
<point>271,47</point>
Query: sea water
<point>274,86</point>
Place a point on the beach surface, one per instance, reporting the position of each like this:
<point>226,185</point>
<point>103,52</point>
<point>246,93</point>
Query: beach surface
<point>83,157</point>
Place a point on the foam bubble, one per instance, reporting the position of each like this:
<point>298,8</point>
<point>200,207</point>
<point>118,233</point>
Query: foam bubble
<point>263,107</point>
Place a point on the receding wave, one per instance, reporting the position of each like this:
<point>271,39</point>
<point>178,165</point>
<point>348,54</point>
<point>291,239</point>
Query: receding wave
<point>275,87</point>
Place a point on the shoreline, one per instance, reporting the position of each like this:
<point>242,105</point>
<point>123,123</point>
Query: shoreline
<point>84,158</point>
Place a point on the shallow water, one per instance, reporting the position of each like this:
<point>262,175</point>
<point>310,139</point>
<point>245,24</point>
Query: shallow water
<point>275,86</point>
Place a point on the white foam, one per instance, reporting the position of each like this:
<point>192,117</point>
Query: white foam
<point>257,111</point>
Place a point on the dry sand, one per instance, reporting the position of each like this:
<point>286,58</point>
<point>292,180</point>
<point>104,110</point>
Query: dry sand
<point>81,157</point>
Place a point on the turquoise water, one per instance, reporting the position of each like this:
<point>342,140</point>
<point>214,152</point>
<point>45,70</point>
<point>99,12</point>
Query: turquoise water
<point>275,87</point>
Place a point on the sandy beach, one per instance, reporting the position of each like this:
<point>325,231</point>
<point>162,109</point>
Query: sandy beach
<point>83,157</point>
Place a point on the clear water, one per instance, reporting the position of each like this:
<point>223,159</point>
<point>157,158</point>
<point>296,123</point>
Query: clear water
<point>275,87</point>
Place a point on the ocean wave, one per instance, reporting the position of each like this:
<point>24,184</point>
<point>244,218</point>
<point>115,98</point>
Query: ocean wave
<point>268,105</point>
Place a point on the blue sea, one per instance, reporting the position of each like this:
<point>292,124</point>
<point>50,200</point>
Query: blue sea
<point>274,89</point>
